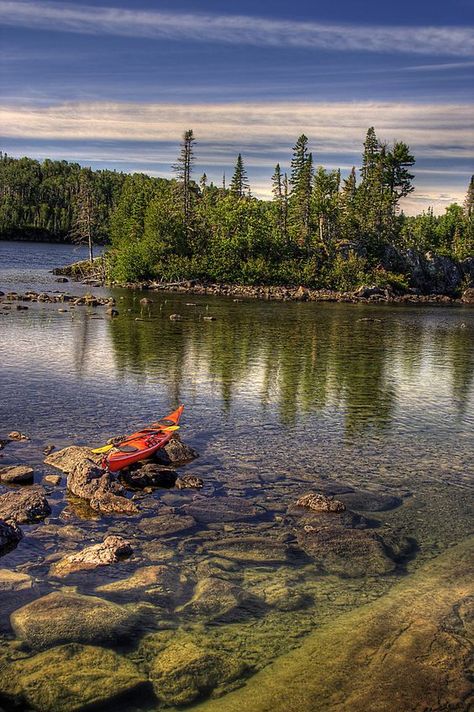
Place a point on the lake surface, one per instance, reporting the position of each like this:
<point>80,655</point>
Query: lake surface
<point>373,404</point>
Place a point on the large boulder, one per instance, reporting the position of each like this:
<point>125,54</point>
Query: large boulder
<point>185,670</point>
<point>71,678</point>
<point>87,479</point>
<point>69,457</point>
<point>166,523</point>
<point>10,535</point>
<point>14,581</point>
<point>66,617</point>
<point>24,506</point>
<point>110,551</point>
<point>320,503</point>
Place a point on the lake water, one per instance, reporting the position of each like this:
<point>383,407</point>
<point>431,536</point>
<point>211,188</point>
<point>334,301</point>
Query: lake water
<point>373,404</point>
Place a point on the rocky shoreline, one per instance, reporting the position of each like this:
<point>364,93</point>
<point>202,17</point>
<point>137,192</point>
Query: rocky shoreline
<point>366,294</point>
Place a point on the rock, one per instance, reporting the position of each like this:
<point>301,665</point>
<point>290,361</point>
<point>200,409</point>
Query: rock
<point>217,599</point>
<point>222,509</point>
<point>10,535</point>
<point>48,449</point>
<point>69,457</point>
<point>189,482</point>
<point>53,480</point>
<point>209,318</point>
<point>24,506</point>
<point>146,302</point>
<point>184,671</point>
<point>112,312</point>
<point>161,584</point>
<point>62,280</point>
<point>149,475</point>
<point>16,435</point>
<point>251,550</point>
<point>176,317</point>
<point>16,474</point>
<point>468,296</point>
<point>346,552</point>
<point>365,292</point>
<point>14,581</point>
<point>175,452</point>
<point>71,678</point>
<point>66,617</point>
<point>301,294</point>
<point>110,551</point>
<point>283,596</point>
<point>3,442</point>
<point>320,503</point>
<point>21,307</point>
<point>110,503</point>
<point>371,501</point>
<point>87,480</point>
<point>168,522</point>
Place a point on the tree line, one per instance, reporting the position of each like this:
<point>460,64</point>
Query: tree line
<point>319,229</point>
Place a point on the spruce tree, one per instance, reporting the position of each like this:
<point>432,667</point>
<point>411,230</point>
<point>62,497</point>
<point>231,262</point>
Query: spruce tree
<point>183,169</point>
<point>239,185</point>
<point>300,195</point>
<point>469,200</point>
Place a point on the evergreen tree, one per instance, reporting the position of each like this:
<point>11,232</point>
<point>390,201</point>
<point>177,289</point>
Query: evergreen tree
<point>280,199</point>
<point>469,200</point>
<point>239,185</point>
<point>325,199</point>
<point>183,169</point>
<point>300,195</point>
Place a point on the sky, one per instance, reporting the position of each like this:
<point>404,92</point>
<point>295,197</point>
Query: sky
<point>115,83</point>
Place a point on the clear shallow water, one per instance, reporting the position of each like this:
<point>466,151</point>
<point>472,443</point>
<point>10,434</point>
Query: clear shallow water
<point>281,399</point>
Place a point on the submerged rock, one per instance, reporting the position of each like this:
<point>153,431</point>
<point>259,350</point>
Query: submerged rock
<point>184,671</point>
<point>251,550</point>
<point>110,503</point>
<point>110,551</point>
<point>16,474</point>
<point>65,617</point>
<point>320,503</point>
<point>24,506</point>
<point>53,480</point>
<point>217,599</point>
<point>149,475</point>
<point>345,552</point>
<point>166,523</point>
<point>367,501</point>
<point>71,678</point>
<point>222,509</point>
<point>161,584</point>
<point>10,535</point>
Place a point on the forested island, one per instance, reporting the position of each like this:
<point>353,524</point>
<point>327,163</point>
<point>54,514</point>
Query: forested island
<point>320,230</point>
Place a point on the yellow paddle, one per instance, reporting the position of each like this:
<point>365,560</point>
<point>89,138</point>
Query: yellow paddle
<point>106,448</point>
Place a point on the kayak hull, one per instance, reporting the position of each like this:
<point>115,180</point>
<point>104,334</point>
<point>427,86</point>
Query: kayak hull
<point>142,444</point>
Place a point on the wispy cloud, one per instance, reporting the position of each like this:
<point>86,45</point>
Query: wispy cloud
<point>237,29</point>
<point>435,130</point>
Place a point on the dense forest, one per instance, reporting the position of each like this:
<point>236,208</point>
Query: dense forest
<point>320,229</point>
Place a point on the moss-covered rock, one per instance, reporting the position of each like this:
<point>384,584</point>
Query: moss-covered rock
<point>161,584</point>
<point>64,617</point>
<point>70,678</point>
<point>185,670</point>
<point>217,599</point>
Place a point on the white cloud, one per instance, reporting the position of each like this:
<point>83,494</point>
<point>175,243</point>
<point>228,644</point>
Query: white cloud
<point>237,29</point>
<point>437,130</point>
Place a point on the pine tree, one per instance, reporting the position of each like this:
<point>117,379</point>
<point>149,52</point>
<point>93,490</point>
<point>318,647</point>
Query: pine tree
<point>300,195</point>
<point>239,185</point>
<point>280,199</point>
<point>469,200</point>
<point>183,169</point>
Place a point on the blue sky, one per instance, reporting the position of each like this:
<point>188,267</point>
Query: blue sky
<point>115,83</point>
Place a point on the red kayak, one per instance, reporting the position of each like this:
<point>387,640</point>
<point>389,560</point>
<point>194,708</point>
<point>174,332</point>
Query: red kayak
<point>142,444</point>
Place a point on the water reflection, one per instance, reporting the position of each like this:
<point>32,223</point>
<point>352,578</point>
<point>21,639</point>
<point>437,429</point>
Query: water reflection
<point>303,358</point>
